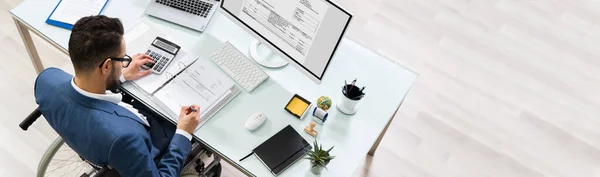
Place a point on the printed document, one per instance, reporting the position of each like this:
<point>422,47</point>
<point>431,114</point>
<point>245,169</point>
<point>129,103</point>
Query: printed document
<point>202,84</point>
<point>69,11</point>
<point>153,82</point>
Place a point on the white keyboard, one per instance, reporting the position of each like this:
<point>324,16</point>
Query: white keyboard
<point>239,67</point>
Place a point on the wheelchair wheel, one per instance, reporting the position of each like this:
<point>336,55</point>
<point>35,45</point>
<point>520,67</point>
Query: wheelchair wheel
<point>61,160</point>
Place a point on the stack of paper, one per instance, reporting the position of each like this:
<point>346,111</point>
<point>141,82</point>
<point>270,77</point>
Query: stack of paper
<point>153,82</point>
<point>201,84</point>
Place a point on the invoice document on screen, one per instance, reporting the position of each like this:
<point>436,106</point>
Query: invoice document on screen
<point>294,23</point>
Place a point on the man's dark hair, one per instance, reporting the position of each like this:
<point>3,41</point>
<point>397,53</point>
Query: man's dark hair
<point>94,39</point>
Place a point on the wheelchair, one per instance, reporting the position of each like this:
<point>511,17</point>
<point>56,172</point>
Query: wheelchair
<point>60,160</point>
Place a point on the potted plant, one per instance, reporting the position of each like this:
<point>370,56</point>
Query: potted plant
<point>319,158</point>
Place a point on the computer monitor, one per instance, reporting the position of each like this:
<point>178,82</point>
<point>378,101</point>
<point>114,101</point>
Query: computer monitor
<point>304,32</point>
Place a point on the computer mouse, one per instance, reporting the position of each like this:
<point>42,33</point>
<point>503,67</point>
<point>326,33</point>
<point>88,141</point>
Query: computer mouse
<point>255,121</point>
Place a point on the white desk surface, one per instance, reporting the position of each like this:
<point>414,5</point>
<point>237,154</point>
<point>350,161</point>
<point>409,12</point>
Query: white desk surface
<point>387,85</point>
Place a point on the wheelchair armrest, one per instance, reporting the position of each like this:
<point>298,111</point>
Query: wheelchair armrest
<point>107,172</point>
<point>102,172</point>
<point>30,119</point>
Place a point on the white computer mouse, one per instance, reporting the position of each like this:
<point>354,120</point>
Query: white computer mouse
<point>255,121</point>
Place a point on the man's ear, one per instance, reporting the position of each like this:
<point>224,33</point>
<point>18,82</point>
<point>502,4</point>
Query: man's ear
<point>106,66</point>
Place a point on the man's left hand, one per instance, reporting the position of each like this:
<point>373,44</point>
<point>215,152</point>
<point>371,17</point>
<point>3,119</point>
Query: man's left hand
<point>135,71</point>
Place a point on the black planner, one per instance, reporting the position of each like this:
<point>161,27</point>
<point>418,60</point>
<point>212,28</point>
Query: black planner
<point>282,149</point>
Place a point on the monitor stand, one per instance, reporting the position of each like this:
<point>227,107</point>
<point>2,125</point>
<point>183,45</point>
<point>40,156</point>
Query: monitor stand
<point>270,60</point>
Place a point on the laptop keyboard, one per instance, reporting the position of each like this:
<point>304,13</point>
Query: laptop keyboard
<point>196,7</point>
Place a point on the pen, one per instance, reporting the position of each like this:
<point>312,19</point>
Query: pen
<point>345,87</point>
<point>246,156</point>
<point>352,86</point>
<point>357,97</point>
<point>190,110</point>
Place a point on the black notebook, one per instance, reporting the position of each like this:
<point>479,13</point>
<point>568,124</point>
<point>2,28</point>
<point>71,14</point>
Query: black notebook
<point>282,149</point>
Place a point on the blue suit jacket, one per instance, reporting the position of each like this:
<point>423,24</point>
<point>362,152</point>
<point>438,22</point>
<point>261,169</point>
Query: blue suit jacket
<point>103,132</point>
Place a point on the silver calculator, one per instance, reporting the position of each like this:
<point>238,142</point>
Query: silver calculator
<point>162,52</point>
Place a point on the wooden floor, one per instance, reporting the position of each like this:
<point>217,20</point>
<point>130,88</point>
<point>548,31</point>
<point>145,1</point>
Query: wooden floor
<point>507,88</point>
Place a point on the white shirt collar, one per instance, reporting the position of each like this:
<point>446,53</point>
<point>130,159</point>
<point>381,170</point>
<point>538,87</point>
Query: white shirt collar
<point>108,96</point>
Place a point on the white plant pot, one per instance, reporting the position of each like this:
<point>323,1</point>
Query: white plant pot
<point>316,169</point>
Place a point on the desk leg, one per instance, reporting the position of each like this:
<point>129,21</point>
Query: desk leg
<point>238,168</point>
<point>28,42</point>
<point>376,144</point>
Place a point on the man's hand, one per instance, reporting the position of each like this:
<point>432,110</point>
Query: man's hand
<point>188,119</point>
<point>134,71</point>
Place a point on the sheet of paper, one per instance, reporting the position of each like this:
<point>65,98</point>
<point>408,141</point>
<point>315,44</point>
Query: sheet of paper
<point>142,28</point>
<point>153,81</point>
<point>202,84</point>
<point>138,40</point>
<point>141,35</point>
<point>69,11</point>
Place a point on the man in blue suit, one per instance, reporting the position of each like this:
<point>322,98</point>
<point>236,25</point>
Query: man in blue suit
<point>92,119</point>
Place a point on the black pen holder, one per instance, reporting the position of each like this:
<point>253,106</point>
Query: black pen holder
<point>353,92</point>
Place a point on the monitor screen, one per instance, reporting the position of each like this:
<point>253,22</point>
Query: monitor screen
<point>305,31</point>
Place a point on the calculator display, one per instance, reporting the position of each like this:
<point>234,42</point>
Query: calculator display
<point>165,46</point>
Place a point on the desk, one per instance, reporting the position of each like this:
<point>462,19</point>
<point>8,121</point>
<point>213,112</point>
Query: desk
<point>353,136</point>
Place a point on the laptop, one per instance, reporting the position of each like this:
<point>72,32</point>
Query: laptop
<point>194,14</point>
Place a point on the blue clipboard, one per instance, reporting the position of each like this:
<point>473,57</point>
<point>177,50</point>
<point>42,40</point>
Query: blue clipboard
<point>64,24</point>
